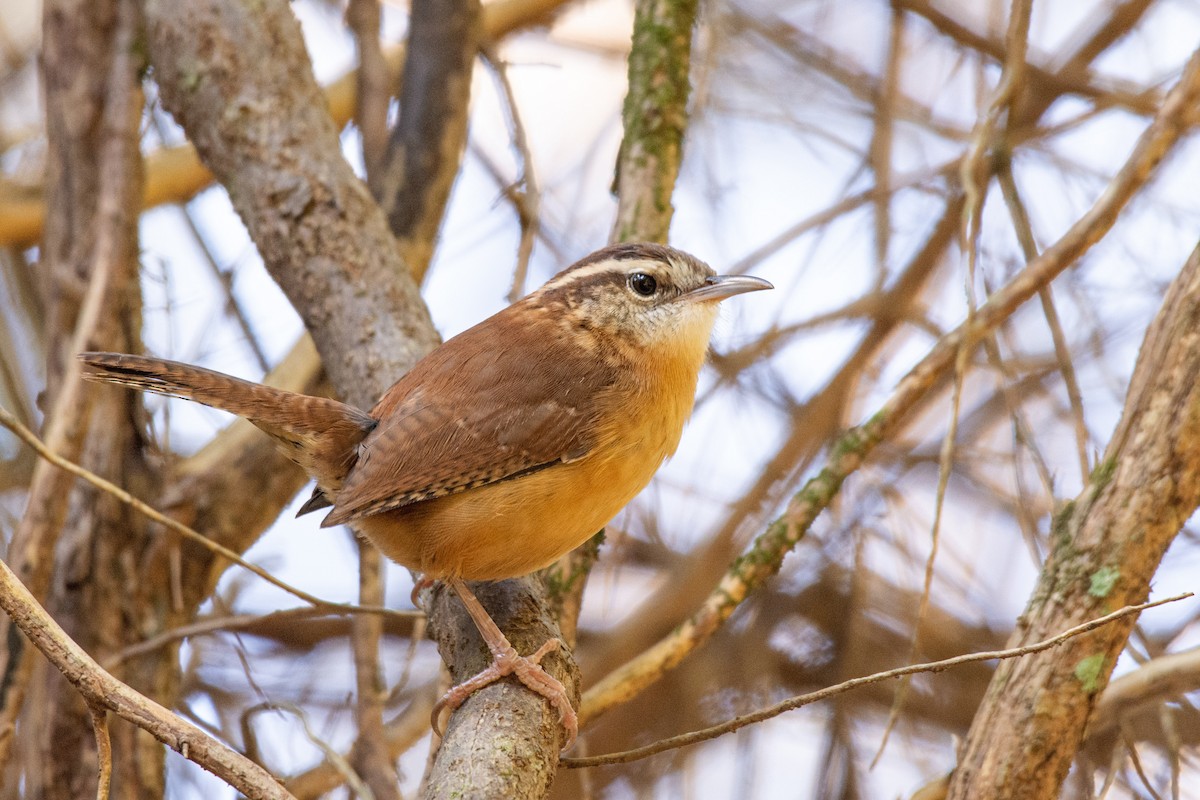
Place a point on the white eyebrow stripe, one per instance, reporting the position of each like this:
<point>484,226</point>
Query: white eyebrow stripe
<point>578,274</point>
<point>606,266</point>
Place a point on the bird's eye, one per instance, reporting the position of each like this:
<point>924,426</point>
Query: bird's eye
<point>643,284</point>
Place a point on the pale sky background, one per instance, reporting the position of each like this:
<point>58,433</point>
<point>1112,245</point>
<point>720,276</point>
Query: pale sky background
<point>744,181</point>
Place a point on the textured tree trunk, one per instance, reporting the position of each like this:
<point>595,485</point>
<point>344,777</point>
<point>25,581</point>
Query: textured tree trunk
<point>1108,544</point>
<point>96,580</point>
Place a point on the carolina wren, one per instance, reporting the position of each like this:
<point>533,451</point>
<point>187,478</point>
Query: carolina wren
<point>510,444</point>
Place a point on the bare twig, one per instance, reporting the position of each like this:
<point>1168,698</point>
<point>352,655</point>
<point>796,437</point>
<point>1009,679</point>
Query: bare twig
<point>764,557</point>
<point>254,623</point>
<point>13,424</point>
<point>1141,772</point>
<point>354,781</point>
<point>526,199</point>
<point>103,750</point>
<point>224,277</point>
<point>399,735</point>
<point>793,703</point>
<point>1024,230</point>
<point>102,690</point>
<point>374,86</point>
<point>369,754</point>
<point>839,209</point>
<point>882,142</point>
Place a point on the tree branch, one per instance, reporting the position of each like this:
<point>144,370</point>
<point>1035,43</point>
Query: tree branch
<point>848,454</point>
<point>503,741</point>
<point>426,145</point>
<point>655,118</point>
<point>793,703</point>
<point>104,691</point>
<point>369,755</point>
<point>260,125</point>
<point>1107,546</point>
<point>176,174</point>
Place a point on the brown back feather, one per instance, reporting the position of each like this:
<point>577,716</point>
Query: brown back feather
<point>488,405</point>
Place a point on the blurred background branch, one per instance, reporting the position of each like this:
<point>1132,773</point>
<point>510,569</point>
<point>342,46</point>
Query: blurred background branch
<point>819,144</point>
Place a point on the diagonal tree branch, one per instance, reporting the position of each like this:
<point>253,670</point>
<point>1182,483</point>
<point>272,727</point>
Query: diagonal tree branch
<point>425,147</point>
<point>176,174</point>
<point>1107,546</point>
<point>104,691</point>
<point>848,454</point>
<point>260,125</point>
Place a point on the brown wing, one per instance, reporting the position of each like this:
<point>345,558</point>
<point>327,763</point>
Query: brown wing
<point>488,405</point>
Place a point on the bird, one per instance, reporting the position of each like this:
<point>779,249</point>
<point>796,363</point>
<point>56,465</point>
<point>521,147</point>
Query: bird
<point>508,445</point>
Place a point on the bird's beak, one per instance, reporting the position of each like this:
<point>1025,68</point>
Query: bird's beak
<point>720,287</point>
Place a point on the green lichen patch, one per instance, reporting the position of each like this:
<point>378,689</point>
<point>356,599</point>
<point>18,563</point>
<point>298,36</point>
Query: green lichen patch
<point>1103,580</point>
<point>1090,672</point>
<point>1103,473</point>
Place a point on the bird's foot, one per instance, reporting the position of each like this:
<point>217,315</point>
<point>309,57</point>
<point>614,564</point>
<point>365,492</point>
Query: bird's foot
<point>420,585</point>
<point>528,670</point>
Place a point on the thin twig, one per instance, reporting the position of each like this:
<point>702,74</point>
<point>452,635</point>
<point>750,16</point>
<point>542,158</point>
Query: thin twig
<point>100,688</point>
<point>526,201</point>
<point>1024,231</point>
<point>1114,769</point>
<point>30,438</point>
<point>369,754</point>
<point>1023,430</point>
<point>236,622</point>
<point>353,780</point>
<point>400,734</point>
<point>1137,767</point>
<point>975,172</point>
<point>848,204</point>
<point>882,141</point>
<point>374,84</point>
<point>852,449</point>
<point>799,701</point>
<point>1166,718</point>
<point>103,750</point>
<point>224,277</point>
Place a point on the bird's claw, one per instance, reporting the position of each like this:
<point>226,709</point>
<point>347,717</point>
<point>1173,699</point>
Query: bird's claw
<point>528,670</point>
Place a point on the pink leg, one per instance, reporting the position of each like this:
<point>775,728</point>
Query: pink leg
<point>506,661</point>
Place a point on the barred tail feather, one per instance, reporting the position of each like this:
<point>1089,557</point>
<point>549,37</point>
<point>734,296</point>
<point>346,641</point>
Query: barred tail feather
<point>322,435</point>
